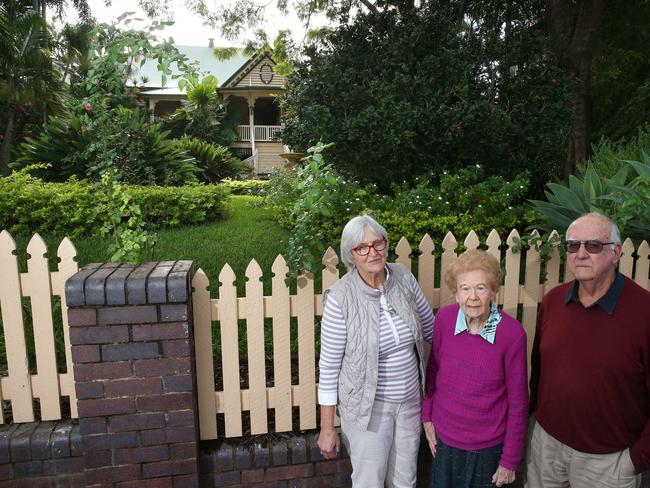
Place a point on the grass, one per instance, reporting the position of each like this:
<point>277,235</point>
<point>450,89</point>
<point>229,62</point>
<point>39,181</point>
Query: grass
<point>249,232</point>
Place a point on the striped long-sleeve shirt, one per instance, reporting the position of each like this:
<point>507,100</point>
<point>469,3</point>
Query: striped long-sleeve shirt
<point>398,376</point>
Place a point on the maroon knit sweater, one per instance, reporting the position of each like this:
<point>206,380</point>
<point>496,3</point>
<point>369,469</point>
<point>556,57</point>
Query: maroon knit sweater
<point>590,378</point>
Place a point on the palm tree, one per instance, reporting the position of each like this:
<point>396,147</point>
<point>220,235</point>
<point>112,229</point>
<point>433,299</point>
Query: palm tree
<point>27,75</point>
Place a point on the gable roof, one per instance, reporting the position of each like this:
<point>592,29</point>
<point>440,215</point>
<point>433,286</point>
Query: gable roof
<point>244,70</point>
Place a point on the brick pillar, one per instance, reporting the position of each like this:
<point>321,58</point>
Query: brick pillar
<point>133,354</point>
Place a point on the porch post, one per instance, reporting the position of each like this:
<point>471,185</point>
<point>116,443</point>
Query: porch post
<point>251,123</point>
<point>152,107</point>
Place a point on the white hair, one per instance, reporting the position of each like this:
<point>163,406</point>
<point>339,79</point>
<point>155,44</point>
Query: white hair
<point>614,235</point>
<point>352,236</point>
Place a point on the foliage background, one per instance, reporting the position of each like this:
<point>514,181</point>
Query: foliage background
<point>402,94</point>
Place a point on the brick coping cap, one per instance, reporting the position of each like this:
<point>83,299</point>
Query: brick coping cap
<point>98,284</point>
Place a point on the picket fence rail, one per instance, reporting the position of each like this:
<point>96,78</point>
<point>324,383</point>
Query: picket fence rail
<point>40,286</point>
<point>306,305</point>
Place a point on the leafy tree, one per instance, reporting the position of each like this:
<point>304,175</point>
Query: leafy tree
<point>59,6</point>
<point>73,53</point>
<point>27,76</point>
<point>402,93</point>
<point>621,71</point>
<point>119,51</point>
<point>574,29</point>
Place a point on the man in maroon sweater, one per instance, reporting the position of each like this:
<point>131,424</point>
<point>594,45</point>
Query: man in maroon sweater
<point>590,378</point>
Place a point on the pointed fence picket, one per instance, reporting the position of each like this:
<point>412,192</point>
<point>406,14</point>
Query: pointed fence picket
<point>23,382</point>
<point>287,391</point>
<point>280,382</point>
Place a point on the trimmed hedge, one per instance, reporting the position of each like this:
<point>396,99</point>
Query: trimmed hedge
<point>29,204</point>
<point>246,187</point>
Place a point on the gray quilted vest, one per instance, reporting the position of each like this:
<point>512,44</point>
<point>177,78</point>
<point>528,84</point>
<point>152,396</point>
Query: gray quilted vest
<point>360,307</point>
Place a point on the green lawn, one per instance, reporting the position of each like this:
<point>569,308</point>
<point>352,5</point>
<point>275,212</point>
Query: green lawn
<point>249,232</point>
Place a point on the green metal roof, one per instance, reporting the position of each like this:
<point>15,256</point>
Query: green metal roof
<point>208,64</point>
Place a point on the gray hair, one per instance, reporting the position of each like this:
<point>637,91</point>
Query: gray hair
<point>352,236</point>
<point>615,233</point>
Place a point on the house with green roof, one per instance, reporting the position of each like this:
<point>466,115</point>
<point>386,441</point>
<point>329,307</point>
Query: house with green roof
<point>251,87</point>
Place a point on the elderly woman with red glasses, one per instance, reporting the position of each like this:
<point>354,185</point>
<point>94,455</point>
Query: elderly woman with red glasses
<point>375,320</point>
<point>475,409</point>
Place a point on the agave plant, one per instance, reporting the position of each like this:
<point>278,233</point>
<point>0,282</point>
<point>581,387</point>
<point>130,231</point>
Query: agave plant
<point>634,201</point>
<point>628,204</point>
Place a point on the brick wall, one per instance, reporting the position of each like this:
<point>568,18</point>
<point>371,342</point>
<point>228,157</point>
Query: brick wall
<point>41,454</point>
<point>132,349</point>
<point>293,462</point>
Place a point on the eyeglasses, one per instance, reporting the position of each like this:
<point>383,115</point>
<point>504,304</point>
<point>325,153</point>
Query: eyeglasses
<point>592,246</point>
<point>364,249</point>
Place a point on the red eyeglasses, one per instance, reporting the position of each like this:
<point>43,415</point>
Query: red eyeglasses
<point>364,249</point>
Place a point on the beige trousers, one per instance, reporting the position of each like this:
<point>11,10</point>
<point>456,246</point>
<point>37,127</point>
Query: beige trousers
<point>387,452</point>
<point>551,464</point>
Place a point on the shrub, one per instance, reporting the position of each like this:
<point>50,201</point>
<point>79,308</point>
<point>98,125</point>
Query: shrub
<point>483,202</point>
<point>29,204</point>
<point>246,187</point>
<point>315,203</point>
<point>214,162</point>
<point>609,156</point>
<point>119,139</point>
<point>122,221</point>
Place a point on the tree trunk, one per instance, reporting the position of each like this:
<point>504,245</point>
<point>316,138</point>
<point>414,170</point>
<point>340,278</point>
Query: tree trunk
<point>581,129</point>
<point>574,29</point>
<point>5,149</point>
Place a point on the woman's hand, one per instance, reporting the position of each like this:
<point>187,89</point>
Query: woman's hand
<point>503,476</point>
<point>430,432</point>
<point>328,443</point>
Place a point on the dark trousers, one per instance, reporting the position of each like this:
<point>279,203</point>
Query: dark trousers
<point>457,468</point>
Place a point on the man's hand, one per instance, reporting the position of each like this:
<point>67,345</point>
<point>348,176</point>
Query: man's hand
<point>430,432</point>
<point>503,476</point>
<point>329,443</point>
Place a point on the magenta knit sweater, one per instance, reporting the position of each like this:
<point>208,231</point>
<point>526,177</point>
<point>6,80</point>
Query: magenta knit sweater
<point>476,393</point>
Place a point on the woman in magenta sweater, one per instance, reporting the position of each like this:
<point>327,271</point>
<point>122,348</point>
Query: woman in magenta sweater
<point>476,396</point>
